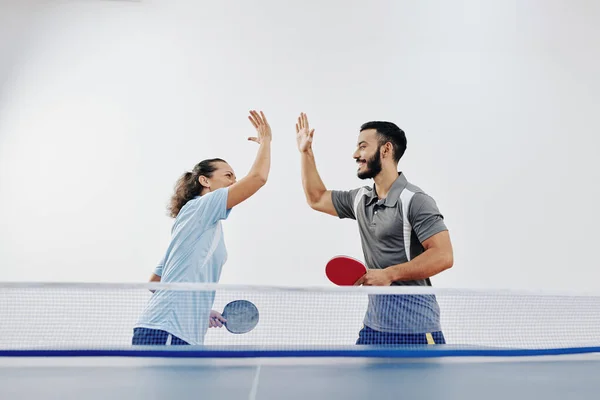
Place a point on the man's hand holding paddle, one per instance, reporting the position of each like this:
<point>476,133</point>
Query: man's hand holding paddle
<point>375,277</point>
<point>347,271</point>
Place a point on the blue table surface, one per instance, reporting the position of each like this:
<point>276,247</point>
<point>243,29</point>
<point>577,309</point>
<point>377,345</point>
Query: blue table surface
<point>548,378</point>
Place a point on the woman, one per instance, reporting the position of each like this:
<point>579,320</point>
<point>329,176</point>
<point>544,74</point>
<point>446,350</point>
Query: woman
<point>197,251</point>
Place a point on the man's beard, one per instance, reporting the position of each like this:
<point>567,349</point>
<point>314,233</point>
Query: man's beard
<point>373,167</point>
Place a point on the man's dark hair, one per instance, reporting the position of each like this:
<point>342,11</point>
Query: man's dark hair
<point>388,132</point>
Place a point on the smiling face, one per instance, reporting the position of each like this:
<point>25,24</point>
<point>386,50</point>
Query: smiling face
<point>368,154</point>
<point>222,176</point>
<point>380,146</point>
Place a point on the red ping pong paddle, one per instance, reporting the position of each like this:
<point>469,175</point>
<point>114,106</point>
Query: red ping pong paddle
<point>344,271</point>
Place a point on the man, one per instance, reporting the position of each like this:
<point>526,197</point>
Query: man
<point>403,235</point>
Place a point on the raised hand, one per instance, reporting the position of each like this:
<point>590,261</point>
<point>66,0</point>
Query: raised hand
<point>262,127</point>
<point>304,135</point>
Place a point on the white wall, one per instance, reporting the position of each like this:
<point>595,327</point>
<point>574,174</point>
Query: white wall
<point>106,103</point>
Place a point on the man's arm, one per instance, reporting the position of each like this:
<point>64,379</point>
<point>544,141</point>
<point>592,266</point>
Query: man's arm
<point>428,224</point>
<point>339,203</point>
<point>317,195</point>
<point>437,257</point>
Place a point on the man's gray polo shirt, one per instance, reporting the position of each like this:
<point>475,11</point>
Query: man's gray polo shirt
<point>391,232</point>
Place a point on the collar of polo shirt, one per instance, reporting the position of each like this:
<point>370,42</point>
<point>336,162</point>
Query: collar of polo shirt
<point>394,194</point>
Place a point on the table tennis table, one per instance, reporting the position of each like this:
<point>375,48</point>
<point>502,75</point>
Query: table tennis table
<point>436,372</point>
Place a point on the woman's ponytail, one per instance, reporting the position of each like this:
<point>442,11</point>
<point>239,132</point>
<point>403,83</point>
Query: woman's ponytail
<point>188,186</point>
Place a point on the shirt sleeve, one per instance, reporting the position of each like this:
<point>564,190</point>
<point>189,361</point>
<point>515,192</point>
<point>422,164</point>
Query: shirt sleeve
<point>343,202</point>
<point>215,208</point>
<point>425,217</point>
<point>159,267</point>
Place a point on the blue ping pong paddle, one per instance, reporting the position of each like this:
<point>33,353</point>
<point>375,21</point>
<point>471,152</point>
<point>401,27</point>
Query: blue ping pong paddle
<point>241,315</point>
<point>344,270</point>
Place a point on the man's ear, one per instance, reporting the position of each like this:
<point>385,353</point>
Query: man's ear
<point>387,149</point>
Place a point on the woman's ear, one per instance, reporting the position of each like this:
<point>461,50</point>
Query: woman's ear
<point>204,181</point>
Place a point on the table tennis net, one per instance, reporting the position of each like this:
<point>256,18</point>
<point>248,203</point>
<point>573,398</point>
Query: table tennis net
<point>103,316</point>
